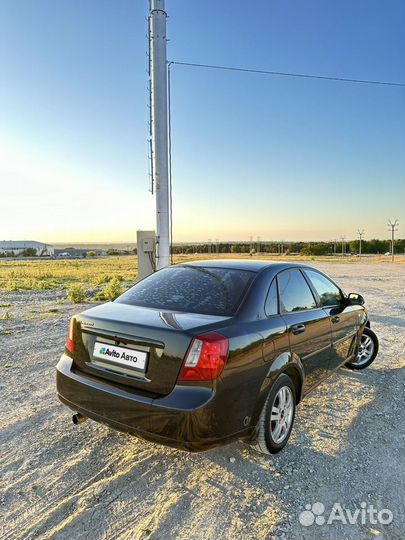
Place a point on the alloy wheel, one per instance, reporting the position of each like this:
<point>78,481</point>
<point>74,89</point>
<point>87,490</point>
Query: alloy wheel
<point>366,350</point>
<point>281,414</point>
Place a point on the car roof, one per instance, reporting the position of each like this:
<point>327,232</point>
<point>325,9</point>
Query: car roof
<point>254,265</point>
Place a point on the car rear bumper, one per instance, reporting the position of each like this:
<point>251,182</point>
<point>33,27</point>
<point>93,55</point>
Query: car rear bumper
<point>185,419</point>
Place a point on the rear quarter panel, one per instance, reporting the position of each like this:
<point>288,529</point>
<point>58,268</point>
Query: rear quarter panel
<point>239,385</point>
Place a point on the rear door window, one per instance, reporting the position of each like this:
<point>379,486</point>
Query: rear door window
<point>193,289</point>
<point>329,293</point>
<point>295,294</point>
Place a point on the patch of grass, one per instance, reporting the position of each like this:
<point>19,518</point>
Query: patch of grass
<point>36,314</point>
<point>50,274</point>
<point>6,316</point>
<point>40,284</point>
<point>99,297</point>
<point>100,280</point>
<point>53,310</point>
<point>31,284</point>
<point>76,294</point>
<point>18,274</point>
<point>5,305</point>
<point>111,291</point>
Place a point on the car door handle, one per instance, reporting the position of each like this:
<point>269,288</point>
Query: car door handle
<point>335,319</point>
<point>298,329</point>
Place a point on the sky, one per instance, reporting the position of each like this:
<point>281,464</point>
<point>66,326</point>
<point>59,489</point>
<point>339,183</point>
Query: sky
<point>253,155</point>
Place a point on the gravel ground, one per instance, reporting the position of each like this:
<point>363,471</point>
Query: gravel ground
<point>65,482</point>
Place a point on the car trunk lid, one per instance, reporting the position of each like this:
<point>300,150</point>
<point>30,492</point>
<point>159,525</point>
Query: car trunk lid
<point>142,348</point>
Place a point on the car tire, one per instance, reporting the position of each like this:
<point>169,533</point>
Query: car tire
<point>271,418</point>
<point>368,350</point>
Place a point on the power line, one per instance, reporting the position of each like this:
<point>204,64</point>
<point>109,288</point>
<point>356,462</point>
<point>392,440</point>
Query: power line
<point>286,74</point>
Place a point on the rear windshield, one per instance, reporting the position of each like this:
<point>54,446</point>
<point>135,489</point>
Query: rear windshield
<point>212,291</point>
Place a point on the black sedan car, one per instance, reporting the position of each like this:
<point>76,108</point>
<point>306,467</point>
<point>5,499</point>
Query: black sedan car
<point>198,355</point>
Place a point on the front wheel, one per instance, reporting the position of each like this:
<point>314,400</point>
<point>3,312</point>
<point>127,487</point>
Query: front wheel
<point>368,350</point>
<point>277,417</point>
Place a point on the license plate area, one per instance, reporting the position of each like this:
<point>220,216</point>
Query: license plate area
<point>120,359</point>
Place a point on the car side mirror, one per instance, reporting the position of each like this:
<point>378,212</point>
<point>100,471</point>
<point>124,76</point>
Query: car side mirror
<point>355,299</point>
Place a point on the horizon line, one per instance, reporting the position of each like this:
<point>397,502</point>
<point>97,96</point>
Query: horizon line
<point>197,242</point>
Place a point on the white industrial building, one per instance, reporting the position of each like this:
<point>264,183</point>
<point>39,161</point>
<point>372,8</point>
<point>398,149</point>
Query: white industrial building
<point>17,247</point>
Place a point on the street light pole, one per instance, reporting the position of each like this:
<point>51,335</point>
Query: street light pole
<point>392,227</point>
<point>343,245</point>
<point>361,234</point>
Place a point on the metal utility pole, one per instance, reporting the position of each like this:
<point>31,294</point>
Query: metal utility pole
<point>159,126</point>
<point>392,227</point>
<point>361,234</point>
<point>343,245</point>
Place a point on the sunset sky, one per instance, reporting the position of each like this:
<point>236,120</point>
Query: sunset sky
<point>283,158</point>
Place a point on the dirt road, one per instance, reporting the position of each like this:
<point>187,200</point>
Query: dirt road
<point>64,482</point>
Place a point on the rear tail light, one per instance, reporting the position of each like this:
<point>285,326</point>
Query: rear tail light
<point>70,336</point>
<point>206,358</point>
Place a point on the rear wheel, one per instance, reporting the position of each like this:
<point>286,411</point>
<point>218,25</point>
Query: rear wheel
<point>277,417</point>
<point>368,350</point>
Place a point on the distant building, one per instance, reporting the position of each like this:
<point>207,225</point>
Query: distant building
<point>17,247</point>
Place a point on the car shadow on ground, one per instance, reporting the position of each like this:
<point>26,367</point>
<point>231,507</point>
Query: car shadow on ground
<point>335,448</point>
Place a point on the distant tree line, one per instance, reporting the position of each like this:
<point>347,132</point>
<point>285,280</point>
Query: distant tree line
<point>114,251</point>
<point>368,247</point>
<point>373,246</point>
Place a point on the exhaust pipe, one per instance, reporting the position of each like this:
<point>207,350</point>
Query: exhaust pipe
<point>78,419</point>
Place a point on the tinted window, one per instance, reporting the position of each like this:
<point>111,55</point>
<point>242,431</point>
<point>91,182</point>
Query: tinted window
<point>213,291</point>
<point>271,307</point>
<point>328,293</point>
<point>295,294</point>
